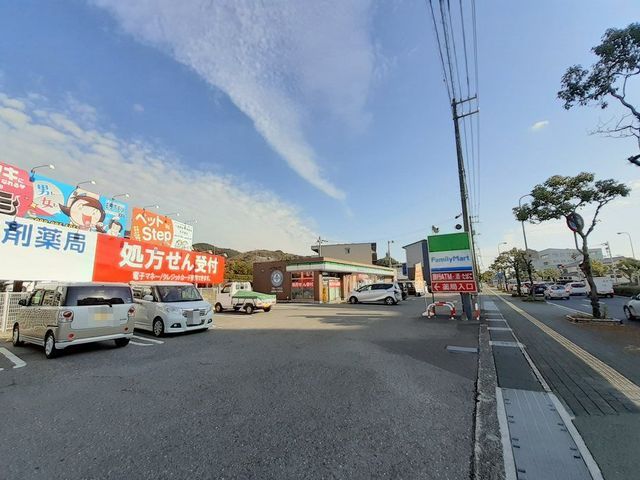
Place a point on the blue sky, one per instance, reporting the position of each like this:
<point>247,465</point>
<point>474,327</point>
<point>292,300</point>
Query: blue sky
<point>275,122</point>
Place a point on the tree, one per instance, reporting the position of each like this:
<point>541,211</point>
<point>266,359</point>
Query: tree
<point>562,196</point>
<point>618,61</point>
<point>629,267</point>
<point>599,269</point>
<point>514,259</point>
<point>487,276</point>
<point>549,273</point>
<point>501,265</point>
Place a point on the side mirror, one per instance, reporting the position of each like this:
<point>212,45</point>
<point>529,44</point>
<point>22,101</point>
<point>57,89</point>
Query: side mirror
<point>22,302</point>
<point>148,298</point>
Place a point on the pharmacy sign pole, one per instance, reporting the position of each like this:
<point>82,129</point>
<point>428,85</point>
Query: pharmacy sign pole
<point>451,265</point>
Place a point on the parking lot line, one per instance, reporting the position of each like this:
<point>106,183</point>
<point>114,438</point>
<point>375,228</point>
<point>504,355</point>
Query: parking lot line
<point>146,339</point>
<point>141,344</point>
<point>17,362</point>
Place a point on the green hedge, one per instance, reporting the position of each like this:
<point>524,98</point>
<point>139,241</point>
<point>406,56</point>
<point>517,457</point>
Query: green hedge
<point>626,290</point>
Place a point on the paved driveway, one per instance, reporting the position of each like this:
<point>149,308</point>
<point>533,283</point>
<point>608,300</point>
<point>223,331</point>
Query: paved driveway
<point>348,391</point>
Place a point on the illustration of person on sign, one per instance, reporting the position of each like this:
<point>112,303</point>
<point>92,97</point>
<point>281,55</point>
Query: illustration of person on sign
<point>84,211</point>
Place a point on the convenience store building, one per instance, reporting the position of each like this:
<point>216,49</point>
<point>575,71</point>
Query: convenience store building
<point>316,279</point>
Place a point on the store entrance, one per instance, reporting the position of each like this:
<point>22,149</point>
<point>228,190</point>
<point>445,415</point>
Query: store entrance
<point>331,290</point>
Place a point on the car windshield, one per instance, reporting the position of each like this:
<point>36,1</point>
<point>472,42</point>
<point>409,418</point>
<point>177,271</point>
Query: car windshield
<point>178,293</point>
<point>97,295</point>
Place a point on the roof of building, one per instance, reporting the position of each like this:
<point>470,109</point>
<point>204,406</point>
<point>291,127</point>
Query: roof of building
<point>328,264</point>
<point>424,240</point>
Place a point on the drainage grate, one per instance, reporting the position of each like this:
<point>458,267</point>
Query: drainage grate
<point>542,445</point>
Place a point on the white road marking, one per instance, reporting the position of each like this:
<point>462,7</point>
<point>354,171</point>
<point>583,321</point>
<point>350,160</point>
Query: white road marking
<point>592,466</point>
<point>17,362</point>
<point>141,344</point>
<point>577,311</point>
<point>499,329</point>
<point>146,339</point>
<point>509,461</point>
<point>618,381</point>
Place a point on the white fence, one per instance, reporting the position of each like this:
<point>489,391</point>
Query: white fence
<point>9,309</point>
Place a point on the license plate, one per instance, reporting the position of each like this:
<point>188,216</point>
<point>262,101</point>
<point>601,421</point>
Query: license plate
<point>102,317</point>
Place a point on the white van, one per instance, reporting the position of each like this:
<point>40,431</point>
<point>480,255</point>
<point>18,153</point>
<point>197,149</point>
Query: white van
<point>57,315</point>
<point>170,307</point>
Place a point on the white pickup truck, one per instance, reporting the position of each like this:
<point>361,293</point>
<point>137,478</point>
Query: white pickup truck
<point>240,296</point>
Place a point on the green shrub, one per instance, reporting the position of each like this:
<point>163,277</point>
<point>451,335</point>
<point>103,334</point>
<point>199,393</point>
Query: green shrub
<point>626,290</point>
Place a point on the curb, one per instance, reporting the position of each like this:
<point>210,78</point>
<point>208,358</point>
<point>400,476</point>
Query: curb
<point>488,459</point>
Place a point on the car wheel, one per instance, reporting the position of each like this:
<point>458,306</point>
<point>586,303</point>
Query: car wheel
<point>218,308</point>
<point>389,301</point>
<point>353,300</point>
<point>15,337</point>
<point>121,342</point>
<point>611,295</point>
<point>267,309</point>
<point>50,350</point>
<point>248,309</point>
<point>628,314</point>
<point>158,327</point>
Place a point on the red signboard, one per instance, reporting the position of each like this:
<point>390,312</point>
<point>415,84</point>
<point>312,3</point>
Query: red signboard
<point>16,190</point>
<point>451,276</point>
<point>122,260</point>
<point>462,286</point>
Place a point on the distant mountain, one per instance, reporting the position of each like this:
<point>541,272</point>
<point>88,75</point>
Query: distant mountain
<point>207,247</point>
<point>265,256</point>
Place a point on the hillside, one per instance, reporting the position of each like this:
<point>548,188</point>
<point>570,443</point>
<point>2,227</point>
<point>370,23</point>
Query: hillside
<point>239,265</point>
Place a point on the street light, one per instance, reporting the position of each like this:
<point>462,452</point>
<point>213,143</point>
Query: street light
<point>171,214</point>
<point>150,206</point>
<point>500,244</point>
<point>526,247</point>
<point>190,222</point>
<point>92,182</point>
<point>50,166</point>
<point>504,273</point>
<point>389,242</point>
<point>633,253</point>
<point>125,195</point>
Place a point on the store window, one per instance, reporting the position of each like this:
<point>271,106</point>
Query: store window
<point>302,286</point>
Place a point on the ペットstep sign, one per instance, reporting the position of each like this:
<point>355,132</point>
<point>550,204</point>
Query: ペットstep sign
<point>451,263</point>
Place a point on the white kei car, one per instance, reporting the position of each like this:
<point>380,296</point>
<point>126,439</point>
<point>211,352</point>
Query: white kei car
<point>556,291</point>
<point>632,308</point>
<point>577,288</point>
<point>389,293</point>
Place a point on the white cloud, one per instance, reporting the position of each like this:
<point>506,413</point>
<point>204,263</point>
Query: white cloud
<point>138,108</point>
<point>229,214</point>
<point>273,59</point>
<point>540,125</point>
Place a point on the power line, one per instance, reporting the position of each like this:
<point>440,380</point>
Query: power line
<point>435,30</point>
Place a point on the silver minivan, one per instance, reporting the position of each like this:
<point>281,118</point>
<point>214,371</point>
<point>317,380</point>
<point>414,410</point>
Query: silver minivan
<point>170,307</point>
<point>57,315</point>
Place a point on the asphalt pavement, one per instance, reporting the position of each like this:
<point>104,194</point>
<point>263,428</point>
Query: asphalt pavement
<point>345,391</point>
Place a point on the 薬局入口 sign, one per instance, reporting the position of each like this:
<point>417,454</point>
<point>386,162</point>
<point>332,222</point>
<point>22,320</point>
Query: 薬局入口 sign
<point>451,263</point>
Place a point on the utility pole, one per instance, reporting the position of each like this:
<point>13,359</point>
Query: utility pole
<point>526,250</point>
<point>613,267</point>
<point>389,242</point>
<point>464,199</point>
<point>320,242</point>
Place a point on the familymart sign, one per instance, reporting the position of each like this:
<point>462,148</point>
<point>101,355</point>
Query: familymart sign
<point>451,263</point>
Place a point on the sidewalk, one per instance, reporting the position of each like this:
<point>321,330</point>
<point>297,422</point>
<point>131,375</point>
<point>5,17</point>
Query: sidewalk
<point>564,412</point>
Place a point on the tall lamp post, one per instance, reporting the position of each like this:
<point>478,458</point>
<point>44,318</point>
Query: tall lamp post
<point>389,242</point>
<point>526,248</point>
<point>504,273</point>
<point>633,253</point>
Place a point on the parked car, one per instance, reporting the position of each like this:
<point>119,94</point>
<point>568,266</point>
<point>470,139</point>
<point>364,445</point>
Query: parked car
<point>632,308</point>
<point>170,307</point>
<point>403,290</point>
<point>576,288</point>
<point>556,291</point>
<point>57,315</point>
<point>388,293</point>
<point>240,296</point>
<point>410,287</point>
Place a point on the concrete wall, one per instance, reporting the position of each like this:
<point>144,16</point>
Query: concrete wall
<point>351,252</point>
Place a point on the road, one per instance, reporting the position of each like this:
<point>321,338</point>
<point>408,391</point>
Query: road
<point>593,369</point>
<point>347,391</point>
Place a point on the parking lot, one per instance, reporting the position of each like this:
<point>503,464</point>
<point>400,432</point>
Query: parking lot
<point>344,391</point>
